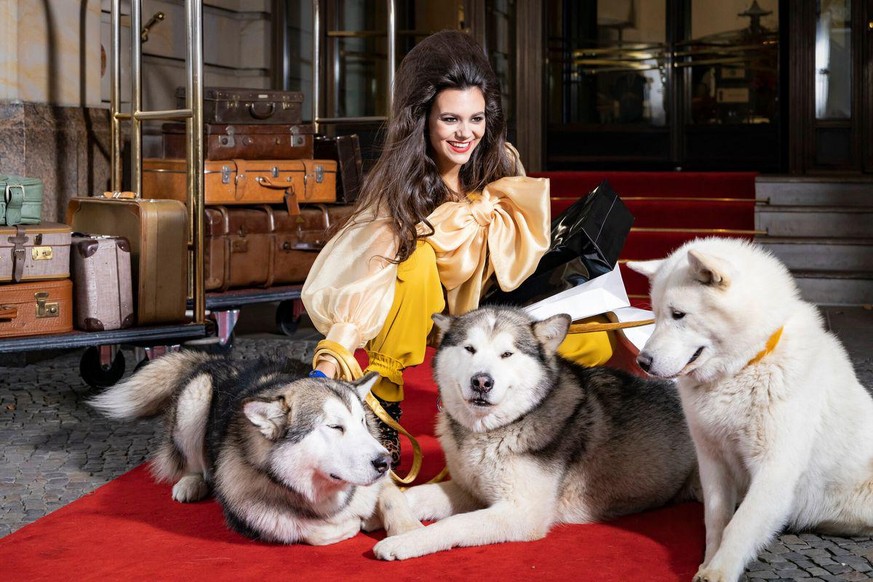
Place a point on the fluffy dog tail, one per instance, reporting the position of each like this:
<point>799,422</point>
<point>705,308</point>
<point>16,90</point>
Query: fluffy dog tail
<point>149,390</point>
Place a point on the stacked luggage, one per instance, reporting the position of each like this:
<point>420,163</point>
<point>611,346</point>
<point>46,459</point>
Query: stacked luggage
<point>52,278</point>
<point>274,191</point>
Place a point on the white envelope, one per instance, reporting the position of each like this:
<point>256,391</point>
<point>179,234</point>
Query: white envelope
<point>599,295</point>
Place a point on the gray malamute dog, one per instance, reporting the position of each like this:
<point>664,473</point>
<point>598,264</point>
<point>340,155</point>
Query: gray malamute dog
<point>532,440</point>
<point>290,458</point>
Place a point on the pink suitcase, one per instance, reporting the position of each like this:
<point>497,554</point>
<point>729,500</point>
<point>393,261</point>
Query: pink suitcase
<point>103,287</point>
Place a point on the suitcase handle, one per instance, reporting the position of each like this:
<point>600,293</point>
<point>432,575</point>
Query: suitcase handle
<point>261,114</point>
<point>9,312</point>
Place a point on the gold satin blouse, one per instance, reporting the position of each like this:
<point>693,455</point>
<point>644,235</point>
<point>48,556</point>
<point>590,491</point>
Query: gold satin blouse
<point>503,230</point>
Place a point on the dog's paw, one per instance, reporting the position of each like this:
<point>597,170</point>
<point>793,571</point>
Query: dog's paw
<point>705,574</point>
<point>410,545</point>
<point>401,527</point>
<point>190,488</point>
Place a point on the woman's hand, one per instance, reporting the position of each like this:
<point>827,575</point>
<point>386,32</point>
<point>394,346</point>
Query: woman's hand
<point>327,368</point>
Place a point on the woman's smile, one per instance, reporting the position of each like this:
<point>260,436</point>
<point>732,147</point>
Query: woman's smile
<point>456,124</point>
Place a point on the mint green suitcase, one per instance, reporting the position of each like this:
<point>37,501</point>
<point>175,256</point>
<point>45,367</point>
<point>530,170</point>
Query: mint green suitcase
<point>20,200</point>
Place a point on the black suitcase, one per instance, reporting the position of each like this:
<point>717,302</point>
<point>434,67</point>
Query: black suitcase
<point>346,150</point>
<point>247,141</point>
<point>243,105</point>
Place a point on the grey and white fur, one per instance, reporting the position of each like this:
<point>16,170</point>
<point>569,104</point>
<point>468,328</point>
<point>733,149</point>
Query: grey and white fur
<point>289,458</point>
<point>533,440</point>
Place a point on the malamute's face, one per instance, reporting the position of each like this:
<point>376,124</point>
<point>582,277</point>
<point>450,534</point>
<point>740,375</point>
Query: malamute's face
<point>492,364</point>
<point>318,436</point>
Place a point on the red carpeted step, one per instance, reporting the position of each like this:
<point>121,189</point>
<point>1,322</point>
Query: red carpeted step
<point>731,213</point>
<point>649,243</point>
<point>627,184</point>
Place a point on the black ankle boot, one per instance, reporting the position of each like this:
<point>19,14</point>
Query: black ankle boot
<point>387,435</point>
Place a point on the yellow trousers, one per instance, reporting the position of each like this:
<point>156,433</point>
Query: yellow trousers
<point>418,294</point>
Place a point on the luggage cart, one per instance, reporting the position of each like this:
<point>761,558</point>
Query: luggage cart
<point>102,362</point>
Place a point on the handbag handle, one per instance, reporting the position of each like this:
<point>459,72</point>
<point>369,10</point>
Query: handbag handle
<point>8,312</point>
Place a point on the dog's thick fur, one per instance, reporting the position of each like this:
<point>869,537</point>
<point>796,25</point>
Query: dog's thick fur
<point>787,434</point>
<point>532,440</point>
<point>290,458</point>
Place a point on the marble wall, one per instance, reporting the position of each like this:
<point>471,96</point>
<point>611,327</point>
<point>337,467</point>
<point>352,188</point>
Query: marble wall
<point>66,147</point>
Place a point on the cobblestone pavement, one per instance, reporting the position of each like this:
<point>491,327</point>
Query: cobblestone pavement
<point>56,449</point>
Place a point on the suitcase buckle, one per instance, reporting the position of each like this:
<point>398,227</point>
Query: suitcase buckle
<point>45,308</point>
<point>319,174</point>
<point>228,140</point>
<point>42,253</point>
<point>275,171</point>
<point>225,174</point>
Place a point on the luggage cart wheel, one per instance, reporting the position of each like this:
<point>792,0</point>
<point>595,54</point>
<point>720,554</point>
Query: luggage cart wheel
<point>102,366</point>
<point>287,317</point>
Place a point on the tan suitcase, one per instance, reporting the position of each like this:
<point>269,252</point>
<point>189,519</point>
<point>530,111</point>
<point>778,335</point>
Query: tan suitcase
<point>103,291</point>
<point>36,308</point>
<point>34,252</point>
<point>232,182</point>
<point>158,234</point>
<point>299,238</point>
<point>238,246</point>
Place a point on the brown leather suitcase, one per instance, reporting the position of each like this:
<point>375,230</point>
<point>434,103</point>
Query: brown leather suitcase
<point>299,238</point>
<point>158,234</point>
<point>346,151</point>
<point>244,141</point>
<point>34,252</point>
<point>103,291</point>
<point>36,308</point>
<point>244,181</point>
<point>238,244</point>
<point>242,105</point>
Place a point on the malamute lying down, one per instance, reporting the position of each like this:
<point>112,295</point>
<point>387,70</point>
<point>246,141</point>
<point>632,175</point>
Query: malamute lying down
<point>532,440</point>
<point>290,458</point>
<point>781,424</point>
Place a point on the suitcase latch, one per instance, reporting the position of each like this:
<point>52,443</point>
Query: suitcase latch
<point>225,174</point>
<point>319,174</point>
<point>42,253</point>
<point>275,171</point>
<point>45,308</point>
<point>228,140</point>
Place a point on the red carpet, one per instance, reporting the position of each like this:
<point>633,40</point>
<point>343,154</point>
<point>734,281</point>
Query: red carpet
<point>130,529</point>
<point>670,208</point>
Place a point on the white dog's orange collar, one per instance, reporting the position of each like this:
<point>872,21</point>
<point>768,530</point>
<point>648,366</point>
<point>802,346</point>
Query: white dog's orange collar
<point>771,345</point>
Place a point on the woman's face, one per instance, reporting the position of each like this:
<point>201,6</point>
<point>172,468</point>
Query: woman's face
<point>455,126</point>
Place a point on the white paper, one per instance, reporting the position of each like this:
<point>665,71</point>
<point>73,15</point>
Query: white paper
<point>599,295</point>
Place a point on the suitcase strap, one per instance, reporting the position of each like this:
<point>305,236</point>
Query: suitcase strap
<point>8,312</point>
<point>19,253</point>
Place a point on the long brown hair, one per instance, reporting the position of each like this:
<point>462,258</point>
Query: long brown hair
<point>405,181</point>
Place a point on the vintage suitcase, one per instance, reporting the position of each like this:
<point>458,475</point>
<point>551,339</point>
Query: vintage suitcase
<point>158,234</point>
<point>20,200</point>
<point>36,308</point>
<point>244,182</point>
<point>241,105</point>
<point>103,292</point>
<point>238,244</point>
<point>244,141</point>
<point>33,253</point>
<point>299,238</point>
<point>346,151</point>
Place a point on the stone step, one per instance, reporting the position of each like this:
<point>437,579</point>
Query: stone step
<point>835,287</point>
<point>837,254</point>
<point>797,191</point>
<point>815,221</point>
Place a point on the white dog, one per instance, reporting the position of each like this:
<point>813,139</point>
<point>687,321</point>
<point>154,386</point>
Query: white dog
<point>780,423</point>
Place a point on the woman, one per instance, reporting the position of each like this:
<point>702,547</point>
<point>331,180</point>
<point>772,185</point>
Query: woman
<point>445,208</point>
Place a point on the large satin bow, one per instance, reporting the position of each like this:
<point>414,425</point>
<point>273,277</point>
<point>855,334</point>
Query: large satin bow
<point>504,230</point>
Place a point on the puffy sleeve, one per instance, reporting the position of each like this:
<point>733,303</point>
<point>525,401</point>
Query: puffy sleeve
<point>350,288</point>
<point>503,230</point>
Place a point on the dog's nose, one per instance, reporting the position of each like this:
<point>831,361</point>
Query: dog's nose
<point>645,361</point>
<point>381,463</point>
<point>482,383</point>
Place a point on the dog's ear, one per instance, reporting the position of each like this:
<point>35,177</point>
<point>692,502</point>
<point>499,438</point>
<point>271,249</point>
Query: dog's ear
<point>363,385</point>
<point>442,321</point>
<point>709,270</point>
<point>270,416</point>
<point>647,268</point>
<point>552,331</point>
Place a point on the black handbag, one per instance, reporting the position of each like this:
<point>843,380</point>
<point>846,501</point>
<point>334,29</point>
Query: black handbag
<point>586,241</point>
